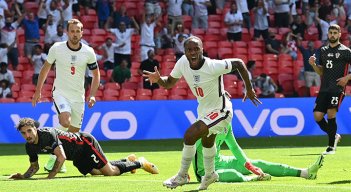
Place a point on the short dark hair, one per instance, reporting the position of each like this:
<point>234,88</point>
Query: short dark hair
<point>335,27</point>
<point>27,122</point>
<point>191,38</point>
<point>75,21</point>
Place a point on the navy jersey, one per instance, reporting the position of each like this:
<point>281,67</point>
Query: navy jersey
<point>50,138</point>
<point>335,62</point>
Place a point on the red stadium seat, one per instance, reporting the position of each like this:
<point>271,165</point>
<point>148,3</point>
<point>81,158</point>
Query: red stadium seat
<point>176,97</point>
<point>143,97</point>
<point>130,85</point>
<point>127,92</point>
<point>159,97</point>
<point>287,83</point>
<point>28,87</point>
<point>111,85</point>
<point>225,44</point>
<point>314,91</point>
<point>300,88</point>
<point>126,98</point>
<point>109,98</point>
<point>225,53</point>
<point>239,44</point>
<point>178,91</point>
<point>160,91</point>
<point>111,92</point>
<point>144,92</point>
<point>24,99</point>
<point>7,100</point>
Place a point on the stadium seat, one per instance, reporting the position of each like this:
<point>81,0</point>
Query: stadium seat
<point>89,21</point>
<point>176,97</point>
<point>314,90</point>
<point>182,84</point>
<point>225,53</point>
<point>230,78</point>
<point>255,51</point>
<point>15,87</point>
<point>7,100</point>
<point>279,95</point>
<point>196,31</point>
<point>187,21</point>
<point>287,83</point>
<point>144,92</point>
<point>130,85</point>
<point>239,51</point>
<point>212,36</point>
<point>109,98</point>
<point>27,87</point>
<point>311,34</point>
<point>178,91</point>
<point>159,97</point>
<point>300,88</point>
<point>348,90</point>
<point>239,44</point>
<point>127,92</point>
<point>47,87</point>
<point>126,98</point>
<point>113,86</point>
<point>160,91</point>
<point>24,99</point>
<point>111,92</point>
<point>257,44</point>
<point>225,44</point>
<point>17,74</point>
<point>31,6</point>
<point>143,97</point>
<point>190,96</point>
<point>214,25</point>
<point>255,57</point>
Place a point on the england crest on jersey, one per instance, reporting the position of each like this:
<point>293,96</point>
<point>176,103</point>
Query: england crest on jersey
<point>197,78</point>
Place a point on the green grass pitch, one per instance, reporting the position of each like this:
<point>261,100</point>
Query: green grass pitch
<point>335,175</point>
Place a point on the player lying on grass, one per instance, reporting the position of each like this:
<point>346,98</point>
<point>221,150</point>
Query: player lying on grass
<point>81,148</point>
<point>236,168</point>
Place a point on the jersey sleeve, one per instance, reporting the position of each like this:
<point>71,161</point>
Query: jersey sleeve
<point>92,64</point>
<point>176,71</point>
<point>51,58</point>
<point>221,67</point>
<point>33,156</point>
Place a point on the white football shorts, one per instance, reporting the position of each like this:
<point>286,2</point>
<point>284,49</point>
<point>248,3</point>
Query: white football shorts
<point>76,109</point>
<point>217,121</point>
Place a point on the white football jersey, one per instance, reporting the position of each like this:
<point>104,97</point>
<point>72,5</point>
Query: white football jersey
<point>70,69</point>
<point>206,83</point>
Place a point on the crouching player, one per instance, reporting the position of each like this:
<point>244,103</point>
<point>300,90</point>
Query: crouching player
<point>81,148</point>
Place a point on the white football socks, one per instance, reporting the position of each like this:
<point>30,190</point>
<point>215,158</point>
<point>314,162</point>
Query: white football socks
<point>187,155</point>
<point>209,154</point>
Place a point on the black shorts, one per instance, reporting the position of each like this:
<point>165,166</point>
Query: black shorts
<point>328,100</point>
<point>92,156</point>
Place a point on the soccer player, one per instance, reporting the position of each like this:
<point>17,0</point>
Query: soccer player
<point>71,59</point>
<point>81,148</point>
<point>333,67</point>
<point>205,78</point>
<point>234,168</point>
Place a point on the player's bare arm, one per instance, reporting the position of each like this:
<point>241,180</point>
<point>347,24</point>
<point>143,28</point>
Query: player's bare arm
<point>61,157</point>
<point>155,77</point>
<point>238,64</point>
<point>312,61</point>
<point>343,80</point>
<point>34,167</point>
<point>94,87</point>
<point>41,79</point>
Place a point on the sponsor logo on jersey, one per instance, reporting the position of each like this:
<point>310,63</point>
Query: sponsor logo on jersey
<point>330,55</point>
<point>73,58</point>
<point>197,78</point>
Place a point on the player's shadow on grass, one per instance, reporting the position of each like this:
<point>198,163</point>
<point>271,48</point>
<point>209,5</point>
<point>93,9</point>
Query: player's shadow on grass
<point>340,182</point>
<point>193,184</point>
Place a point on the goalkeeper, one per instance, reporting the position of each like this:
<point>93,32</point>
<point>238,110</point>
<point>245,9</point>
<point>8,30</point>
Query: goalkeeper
<point>236,168</point>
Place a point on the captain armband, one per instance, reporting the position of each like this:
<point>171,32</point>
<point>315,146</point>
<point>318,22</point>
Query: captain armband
<point>92,66</point>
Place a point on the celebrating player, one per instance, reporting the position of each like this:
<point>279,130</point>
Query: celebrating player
<point>205,78</point>
<point>71,59</point>
<point>234,168</point>
<point>333,67</point>
<point>81,148</point>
